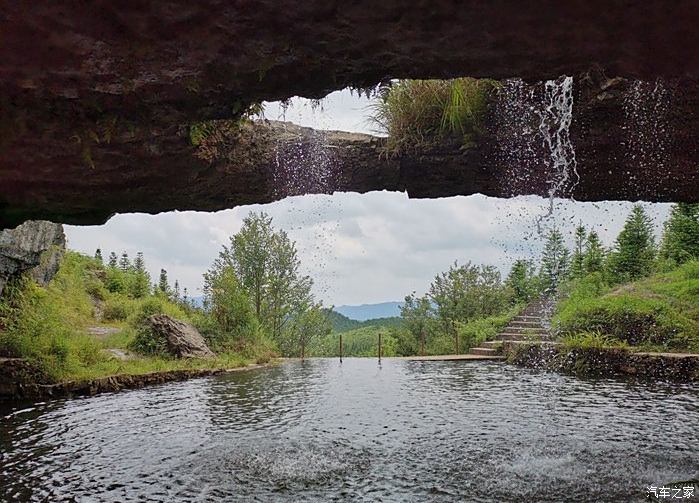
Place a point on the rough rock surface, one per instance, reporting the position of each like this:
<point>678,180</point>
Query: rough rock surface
<point>95,118</point>
<point>627,148</point>
<point>183,340</point>
<point>36,246</point>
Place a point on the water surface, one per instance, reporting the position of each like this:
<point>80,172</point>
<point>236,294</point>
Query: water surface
<point>356,431</point>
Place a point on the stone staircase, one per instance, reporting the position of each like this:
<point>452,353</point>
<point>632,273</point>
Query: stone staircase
<point>526,327</point>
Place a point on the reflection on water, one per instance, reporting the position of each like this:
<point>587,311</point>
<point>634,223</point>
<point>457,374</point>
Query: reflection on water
<point>325,431</point>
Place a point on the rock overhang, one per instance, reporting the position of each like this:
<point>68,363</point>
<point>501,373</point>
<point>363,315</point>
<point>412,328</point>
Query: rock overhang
<point>95,119</point>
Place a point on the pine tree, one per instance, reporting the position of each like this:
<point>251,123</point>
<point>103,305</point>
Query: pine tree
<point>681,236</point>
<point>113,260</point>
<point>522,280</point>
<point>139,263</point>
<point>163,285</point>
<point>176,292</point>
<point>634,251</point>
<point>594,254</point>
<point>98,255</point>
<point>124,262</point>
<point>554,262</point>
<point>577,262</point>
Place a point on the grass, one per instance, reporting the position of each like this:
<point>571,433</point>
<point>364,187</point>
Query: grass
<point>416,113</point>
<point>48,326</point>
<point>658,313</point>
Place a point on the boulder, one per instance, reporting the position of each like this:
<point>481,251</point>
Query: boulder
<point>182,339</point>
<point>35,246</point>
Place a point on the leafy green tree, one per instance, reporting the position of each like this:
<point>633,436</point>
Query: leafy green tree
<point>113,260</point>
<point>124,262</point>
<point>98,255</point>
<point>681,237</point>
<point>554,262</point>
<point>265,262</point>
<point>577,261</point>
<point>594,254</point>
<point>523,281</point>
<point>229,307</point>
<point>417,313</point>
<point>634,252</point>
<point>464,292</point>
<point>306,327</point>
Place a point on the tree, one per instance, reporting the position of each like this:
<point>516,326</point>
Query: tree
<point>308,325</point>
<point>522,280</point>
<point>577,261</point>
<point>124,262</point>
<point>594,254</point>
<point>140,279</point>
<point>465,292</point>
<point>554,262</point>
<point>113,260</point>
<point>163,285</point>
<point>229,306</point>
<point>681,235</point>
<point>634,252</point>
<point>265,262</point>
<point>139,264</point>
<point>416,313</point>
<point>176,292</point>
<point>98,255</point>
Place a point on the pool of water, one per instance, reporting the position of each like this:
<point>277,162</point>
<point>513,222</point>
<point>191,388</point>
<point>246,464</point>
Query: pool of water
<point>356,431</point>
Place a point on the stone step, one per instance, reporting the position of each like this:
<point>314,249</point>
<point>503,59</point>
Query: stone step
<point>520,337</point>
<point>526,323</point>
<point>539,342</point>
<point>523,330</point>
<point>492,344</point>
<point>527,318</point>
<point>484,351</point>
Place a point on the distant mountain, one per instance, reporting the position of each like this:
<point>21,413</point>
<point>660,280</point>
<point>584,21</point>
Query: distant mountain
<point>370,311</point>
<point>342,323</point>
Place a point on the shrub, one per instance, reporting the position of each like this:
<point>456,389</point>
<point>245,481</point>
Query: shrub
<point>117,308</point>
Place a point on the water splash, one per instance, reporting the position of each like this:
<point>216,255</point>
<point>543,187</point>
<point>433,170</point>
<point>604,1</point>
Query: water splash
<point>305,163</point>
<point>647,130</point>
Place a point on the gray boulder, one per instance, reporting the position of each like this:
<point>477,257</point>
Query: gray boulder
<point>182,339</point>
<point>36,246</point>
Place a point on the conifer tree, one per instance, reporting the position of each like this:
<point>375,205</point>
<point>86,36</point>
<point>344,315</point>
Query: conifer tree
<point>594,254</point>
<point>163,285</point>
<point>176,292</point>
<point>577,262</point>
<point>124,262</point>
<point>98,255</point>
<point>113,260</point>
<point>554,262</point>
<point>681,237</point>
<point>522,280</point>
<point>634,251</point>
<point>139,263</point>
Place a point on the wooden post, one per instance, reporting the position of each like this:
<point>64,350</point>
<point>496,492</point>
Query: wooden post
<point>340,347</point>
<point>303,351</point>
<point>379,347</point>
<point>422,342</point>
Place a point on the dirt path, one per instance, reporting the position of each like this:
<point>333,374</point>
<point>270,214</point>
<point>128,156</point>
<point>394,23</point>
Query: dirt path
<point>101,334</point>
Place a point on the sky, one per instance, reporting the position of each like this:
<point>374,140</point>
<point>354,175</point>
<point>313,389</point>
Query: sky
<point>358,248</point>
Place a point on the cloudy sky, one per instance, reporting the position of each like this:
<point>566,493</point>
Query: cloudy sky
<point>359,249</point>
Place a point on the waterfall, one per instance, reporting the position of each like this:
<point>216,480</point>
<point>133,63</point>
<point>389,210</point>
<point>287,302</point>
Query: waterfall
<point>533,131</point>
